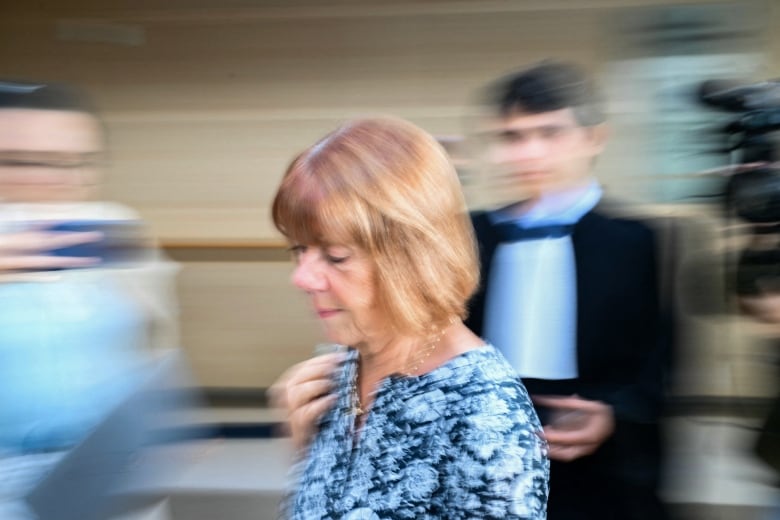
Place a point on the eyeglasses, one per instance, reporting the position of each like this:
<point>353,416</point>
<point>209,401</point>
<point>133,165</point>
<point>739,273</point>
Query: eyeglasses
<point>50,160</point>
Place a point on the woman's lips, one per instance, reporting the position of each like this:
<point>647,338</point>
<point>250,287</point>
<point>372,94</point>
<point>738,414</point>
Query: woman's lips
<point>326,313</point>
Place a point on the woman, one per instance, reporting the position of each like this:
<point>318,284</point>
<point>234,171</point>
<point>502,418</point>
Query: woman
<point>426,421</point>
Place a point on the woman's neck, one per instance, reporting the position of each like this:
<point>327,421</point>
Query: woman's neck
<point>383,357</point>
<point>411,356</point>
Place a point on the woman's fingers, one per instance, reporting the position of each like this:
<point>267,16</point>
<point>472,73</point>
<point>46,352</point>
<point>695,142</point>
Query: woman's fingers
<point>304,392</point>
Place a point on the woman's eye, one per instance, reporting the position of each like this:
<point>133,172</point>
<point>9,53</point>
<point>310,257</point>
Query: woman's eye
<point>297,250</point>
<point>335,255</point>
<point>336,259</point>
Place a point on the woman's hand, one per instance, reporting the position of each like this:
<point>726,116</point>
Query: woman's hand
<point>305,392</point>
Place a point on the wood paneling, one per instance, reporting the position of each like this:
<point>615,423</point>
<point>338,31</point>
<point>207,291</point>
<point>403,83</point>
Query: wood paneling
<point>209,106</point>
<point>242,322</point>
<point>206,101</point>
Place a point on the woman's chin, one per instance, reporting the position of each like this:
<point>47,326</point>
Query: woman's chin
<point>337,337</point>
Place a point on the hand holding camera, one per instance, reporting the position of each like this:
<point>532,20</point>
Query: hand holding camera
<point>69,245</point>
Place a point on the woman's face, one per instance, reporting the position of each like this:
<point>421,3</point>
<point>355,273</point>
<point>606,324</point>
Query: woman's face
<point>340,283</point>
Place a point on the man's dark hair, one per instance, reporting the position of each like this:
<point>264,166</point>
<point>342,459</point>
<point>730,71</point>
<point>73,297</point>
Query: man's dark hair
<point>545,87</point>
<point>44,96</point>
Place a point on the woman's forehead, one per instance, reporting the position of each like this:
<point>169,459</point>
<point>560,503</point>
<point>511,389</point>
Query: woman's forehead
<point>316,233</point>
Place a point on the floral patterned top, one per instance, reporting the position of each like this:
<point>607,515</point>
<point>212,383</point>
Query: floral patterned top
<point>458,442</point>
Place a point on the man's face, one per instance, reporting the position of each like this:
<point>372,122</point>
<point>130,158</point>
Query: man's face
<point>48,155</point>
<point>533,154</point>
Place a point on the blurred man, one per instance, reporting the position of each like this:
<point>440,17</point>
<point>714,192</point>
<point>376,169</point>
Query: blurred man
<point>83,296</point>
<point>52,150</point>
<point>569,293</point>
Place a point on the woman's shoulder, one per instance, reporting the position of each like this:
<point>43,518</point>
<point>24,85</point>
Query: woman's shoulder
<point>484,383</point>
<point>481,366</point>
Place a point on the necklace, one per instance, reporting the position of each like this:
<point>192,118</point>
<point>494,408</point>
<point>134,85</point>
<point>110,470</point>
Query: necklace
<point>411,368</point>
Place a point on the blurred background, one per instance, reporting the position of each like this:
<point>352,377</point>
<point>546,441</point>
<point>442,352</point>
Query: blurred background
<point>206,101</point>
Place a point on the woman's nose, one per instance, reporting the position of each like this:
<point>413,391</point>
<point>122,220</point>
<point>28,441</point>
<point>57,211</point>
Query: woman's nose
<point>308,275</point>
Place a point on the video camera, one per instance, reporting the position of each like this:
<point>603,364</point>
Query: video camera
<point>753,146</point>
<point>752,192</point>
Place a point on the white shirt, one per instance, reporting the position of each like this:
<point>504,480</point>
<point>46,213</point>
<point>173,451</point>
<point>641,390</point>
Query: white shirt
<point>531,303</point>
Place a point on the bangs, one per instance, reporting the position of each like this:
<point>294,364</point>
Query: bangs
<point>312,208</point>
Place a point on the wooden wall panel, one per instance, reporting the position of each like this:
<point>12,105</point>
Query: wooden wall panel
<point>243,323</point>
<point>206,101</point>
<point>206,111</point>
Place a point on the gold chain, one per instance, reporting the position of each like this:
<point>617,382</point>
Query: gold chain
<point>412,367</point>
<point>356,407</point>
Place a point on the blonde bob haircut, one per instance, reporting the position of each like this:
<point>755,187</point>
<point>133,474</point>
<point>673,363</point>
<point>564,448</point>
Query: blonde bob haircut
<point>387,187</point>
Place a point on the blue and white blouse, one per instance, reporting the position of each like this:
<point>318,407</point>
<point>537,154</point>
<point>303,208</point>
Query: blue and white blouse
<point>461,441</point>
